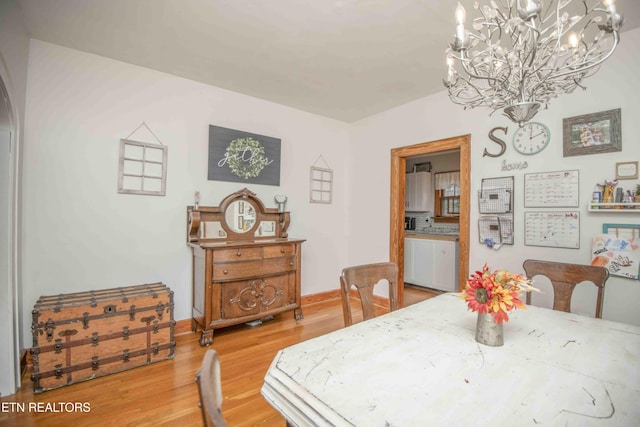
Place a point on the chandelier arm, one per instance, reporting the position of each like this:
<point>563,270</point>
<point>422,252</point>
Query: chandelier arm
<point>481,95</point>
<point>543,64</point>
<point>616,40</point>
<point>472,72</point>
<point>561,32</point>
<point>548,13</point>
<point>583,71</point>
<point>577,83</point>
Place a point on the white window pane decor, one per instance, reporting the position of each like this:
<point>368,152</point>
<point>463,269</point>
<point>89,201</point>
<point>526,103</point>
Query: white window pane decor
<point>143,168</point>
<point>321,185</point>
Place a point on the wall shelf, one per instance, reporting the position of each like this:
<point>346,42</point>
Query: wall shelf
<point>615,207</point>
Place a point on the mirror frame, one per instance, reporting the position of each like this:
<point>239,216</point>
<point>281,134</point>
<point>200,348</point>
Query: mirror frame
<point>231,217</point>
<point>196,216</point>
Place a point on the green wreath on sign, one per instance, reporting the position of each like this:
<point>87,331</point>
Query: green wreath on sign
<point>246,157</point>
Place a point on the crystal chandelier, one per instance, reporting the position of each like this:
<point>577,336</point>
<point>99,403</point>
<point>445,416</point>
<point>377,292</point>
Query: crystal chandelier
<point>521,54</point>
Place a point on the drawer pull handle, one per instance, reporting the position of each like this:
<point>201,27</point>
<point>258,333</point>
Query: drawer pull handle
<point>225,271</point>
<point>238,253</point>
<point>282,250</point>
<point>291,263</point>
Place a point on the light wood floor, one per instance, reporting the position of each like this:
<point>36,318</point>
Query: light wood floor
<point>165,393</point>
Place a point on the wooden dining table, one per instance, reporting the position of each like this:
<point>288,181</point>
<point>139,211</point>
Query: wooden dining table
<point>421,366</point>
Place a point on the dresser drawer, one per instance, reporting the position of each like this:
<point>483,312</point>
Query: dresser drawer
<point>279,250</point>
<point>237,254</point>
<point>225,271</point>
<point>260,295</point>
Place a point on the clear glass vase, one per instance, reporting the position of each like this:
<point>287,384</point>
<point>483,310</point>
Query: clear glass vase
<point>488,332</point>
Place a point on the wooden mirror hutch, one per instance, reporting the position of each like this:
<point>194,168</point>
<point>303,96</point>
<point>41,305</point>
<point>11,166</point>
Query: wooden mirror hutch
<point>245,267</point>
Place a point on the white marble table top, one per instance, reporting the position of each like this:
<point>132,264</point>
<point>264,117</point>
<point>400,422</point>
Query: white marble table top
<point>421,366</point>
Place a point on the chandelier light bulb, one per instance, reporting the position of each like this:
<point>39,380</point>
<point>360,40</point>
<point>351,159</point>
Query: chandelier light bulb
<point>460,31</point>
<point>573,40</point>
<point>450,61</point>
<point>530,10</point>
<point>461,15</point>
<point>518,55</point>
<point>611,6</point>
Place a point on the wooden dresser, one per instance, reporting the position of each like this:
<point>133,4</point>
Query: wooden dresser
<point>244,265</point>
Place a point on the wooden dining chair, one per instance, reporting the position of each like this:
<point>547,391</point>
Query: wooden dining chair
<point>364,278</point>
<point>210,390</point>
<point>564,278</point>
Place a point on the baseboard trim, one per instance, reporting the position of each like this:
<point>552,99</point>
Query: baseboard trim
<point>184,326</point>
<point>321,297</point>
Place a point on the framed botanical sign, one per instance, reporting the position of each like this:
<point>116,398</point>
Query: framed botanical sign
<point>627,170</point>
<point>239,156</point>
<point>592,133</point>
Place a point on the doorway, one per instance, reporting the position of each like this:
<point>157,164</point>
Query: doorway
<point>9,368</point>
<point>398,168</point>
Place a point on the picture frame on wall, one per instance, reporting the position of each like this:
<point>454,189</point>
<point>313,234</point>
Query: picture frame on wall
<point>592,133</point>
<point>240,156</point>
<point>627,170</point>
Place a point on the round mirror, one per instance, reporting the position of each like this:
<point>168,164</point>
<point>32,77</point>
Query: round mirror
<point>240,216</point>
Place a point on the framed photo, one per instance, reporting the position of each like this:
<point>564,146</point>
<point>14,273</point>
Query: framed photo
<point>627,170</point>
<point>592,133</point>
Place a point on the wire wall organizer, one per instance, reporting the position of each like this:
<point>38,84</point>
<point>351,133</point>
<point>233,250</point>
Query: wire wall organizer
<point>495,204</point>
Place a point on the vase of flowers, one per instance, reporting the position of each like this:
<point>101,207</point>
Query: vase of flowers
<point>493,295</point>
<point>489,332</point>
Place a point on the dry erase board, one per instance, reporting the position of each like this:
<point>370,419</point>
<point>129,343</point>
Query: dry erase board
<point>552,229</point>
<point>552,189</point>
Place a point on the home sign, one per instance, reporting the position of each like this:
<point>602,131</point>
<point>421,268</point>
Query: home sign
<point>239,156</point>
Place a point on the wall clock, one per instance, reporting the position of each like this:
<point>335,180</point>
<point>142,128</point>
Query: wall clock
<point>531,138</point>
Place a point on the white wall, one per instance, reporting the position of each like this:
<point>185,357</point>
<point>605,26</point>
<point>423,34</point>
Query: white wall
<point>435,117</point>
<point>79,234</point>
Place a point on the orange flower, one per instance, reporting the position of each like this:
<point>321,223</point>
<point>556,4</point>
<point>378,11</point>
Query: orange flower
<point>495,293</point>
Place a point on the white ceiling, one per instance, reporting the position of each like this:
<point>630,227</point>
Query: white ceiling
<point>344,59</point>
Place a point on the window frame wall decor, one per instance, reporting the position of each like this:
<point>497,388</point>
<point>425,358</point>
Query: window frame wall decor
<point>320,183</point>
<point>134,164</point>
<point>239,156</point>
<point>577,144</point>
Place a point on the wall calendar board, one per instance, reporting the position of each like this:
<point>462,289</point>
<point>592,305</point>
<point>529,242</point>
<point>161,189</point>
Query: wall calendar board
<point>552,189</point>
<point>552,229</point>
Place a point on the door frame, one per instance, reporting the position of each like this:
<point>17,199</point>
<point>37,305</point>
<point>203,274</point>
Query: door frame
<point>398,170</point>
<point>12,352</point>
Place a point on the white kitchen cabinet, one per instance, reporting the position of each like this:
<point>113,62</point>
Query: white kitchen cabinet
<point>419,192</point>
<point>431,263</point>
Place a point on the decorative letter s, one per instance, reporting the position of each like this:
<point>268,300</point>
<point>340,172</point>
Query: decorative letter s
<point>498,141</point>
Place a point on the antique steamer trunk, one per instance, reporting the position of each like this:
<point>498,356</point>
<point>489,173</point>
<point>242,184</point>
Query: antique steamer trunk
<point>80,336</point>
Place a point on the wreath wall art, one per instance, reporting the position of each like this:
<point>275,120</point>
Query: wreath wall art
<point>239,156</point>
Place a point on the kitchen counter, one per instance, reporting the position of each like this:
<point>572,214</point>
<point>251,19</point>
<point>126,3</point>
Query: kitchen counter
<point>431,235</point>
